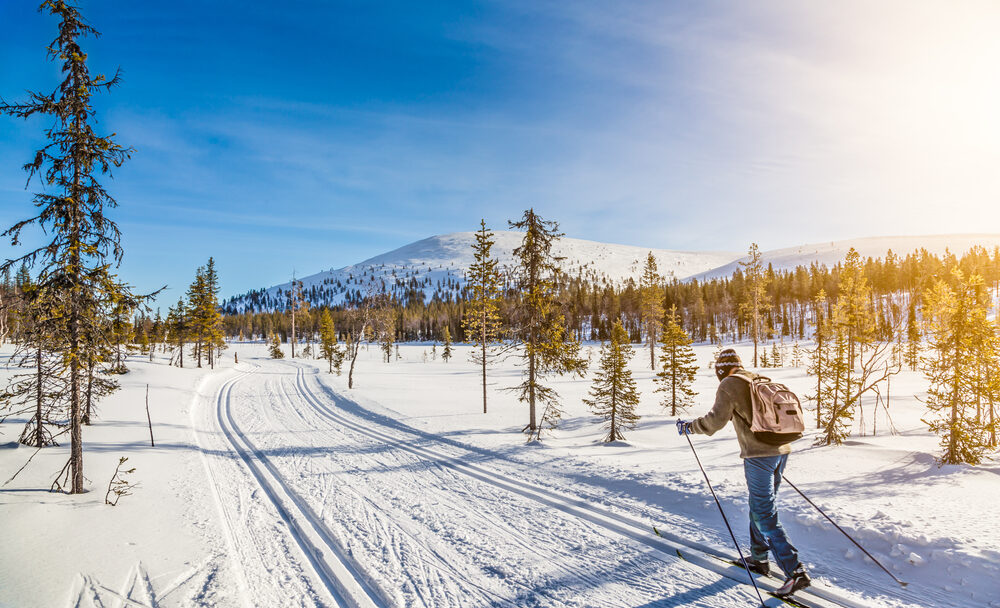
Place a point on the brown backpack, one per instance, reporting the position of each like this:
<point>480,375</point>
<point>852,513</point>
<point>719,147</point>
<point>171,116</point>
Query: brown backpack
<point>777,412</point>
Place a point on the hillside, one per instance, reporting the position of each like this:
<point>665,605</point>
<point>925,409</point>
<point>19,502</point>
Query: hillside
<point>438,264</point>
<point>435,266</point>
<point>832,252</point>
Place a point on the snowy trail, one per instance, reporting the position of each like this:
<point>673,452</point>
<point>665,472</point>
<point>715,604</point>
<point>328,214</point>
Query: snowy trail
<point>425,534</point>
<point>524,482</point>
<point>347,509</point>
<point>337,574</point>
<point>259,513</point>
<point>640,531</point>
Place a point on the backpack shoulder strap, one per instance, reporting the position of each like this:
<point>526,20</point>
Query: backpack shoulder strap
<point>748,377</point>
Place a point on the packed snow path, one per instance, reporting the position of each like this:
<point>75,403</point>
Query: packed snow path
<point>325,506</point>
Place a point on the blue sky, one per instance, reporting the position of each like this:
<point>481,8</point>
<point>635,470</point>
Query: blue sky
<point>309,135</point>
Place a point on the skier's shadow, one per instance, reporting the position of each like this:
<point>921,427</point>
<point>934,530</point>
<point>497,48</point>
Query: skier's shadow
<point>699,595</point>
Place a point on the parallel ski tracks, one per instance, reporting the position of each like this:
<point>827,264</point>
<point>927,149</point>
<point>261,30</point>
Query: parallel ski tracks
<point>668,546</point>
<point>348,586</point>
<point>435,560</point>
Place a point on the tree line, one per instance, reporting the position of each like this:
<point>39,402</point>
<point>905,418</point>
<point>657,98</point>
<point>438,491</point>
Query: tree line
<point>865,319</point>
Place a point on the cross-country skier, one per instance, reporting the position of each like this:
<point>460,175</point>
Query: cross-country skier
<point>762,464</point>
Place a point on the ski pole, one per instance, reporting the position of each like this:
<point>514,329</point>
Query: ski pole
<point>725,519</point>
<point>842,531</point>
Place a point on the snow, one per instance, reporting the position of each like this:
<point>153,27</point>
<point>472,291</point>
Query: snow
<point>834,252</point>
<point>444,258</point>
<point>440,262</point>
<point>272,484</point>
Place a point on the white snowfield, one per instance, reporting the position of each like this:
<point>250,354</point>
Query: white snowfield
<point>272,484</point>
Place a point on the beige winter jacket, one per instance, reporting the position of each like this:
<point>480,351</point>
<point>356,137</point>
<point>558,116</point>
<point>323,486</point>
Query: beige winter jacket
<point>732,402</point>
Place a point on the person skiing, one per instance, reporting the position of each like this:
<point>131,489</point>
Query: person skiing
<point>763,465</point>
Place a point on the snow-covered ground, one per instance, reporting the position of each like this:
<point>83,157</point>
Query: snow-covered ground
<point>272,484</point>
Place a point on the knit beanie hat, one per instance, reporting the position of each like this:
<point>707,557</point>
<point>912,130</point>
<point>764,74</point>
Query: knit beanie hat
<point>727,361</point>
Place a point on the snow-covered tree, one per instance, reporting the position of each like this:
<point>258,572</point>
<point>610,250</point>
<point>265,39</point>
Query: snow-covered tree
<point>613,395</point>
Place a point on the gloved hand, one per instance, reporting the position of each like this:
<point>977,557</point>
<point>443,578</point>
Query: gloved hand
<point>683,427</point>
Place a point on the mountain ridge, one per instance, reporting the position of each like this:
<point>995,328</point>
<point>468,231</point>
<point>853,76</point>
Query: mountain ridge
<point>435,266</point>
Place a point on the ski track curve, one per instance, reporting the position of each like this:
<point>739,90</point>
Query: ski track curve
<point>369,513</point>
<point>490,526</point>
<point>437,537</point>
<point>630,527</point>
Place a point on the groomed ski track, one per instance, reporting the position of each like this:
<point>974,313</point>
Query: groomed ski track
<point>324,506</point>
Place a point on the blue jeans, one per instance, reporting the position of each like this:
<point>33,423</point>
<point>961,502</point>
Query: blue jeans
<point>763,478</point>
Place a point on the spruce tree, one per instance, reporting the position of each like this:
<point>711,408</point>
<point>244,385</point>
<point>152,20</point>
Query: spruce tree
<point>210,317</point>
<point>652,306</point>
<point>76,266</point>
<point>538,323</point>
<point>329,348</point>
<point>796,355</point>
<point>275,349</point>
<point>40,391</point>
<point>296,306</point>
<point>912,352</point>
<point>120,333</point>
<point>677,358</point>
<point>158,334</point>
<point>756,301</point>
<point>385,328</point>
<point>613,395</point>
<point>177,330</point>
<point>820,355</point>
<point>482,319</point>
<point>446,340</point>
<point>959,333</point>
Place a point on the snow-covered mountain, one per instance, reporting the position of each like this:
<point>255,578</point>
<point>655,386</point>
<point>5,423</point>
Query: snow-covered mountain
<point>832,252</point>
<point>438,264</point>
